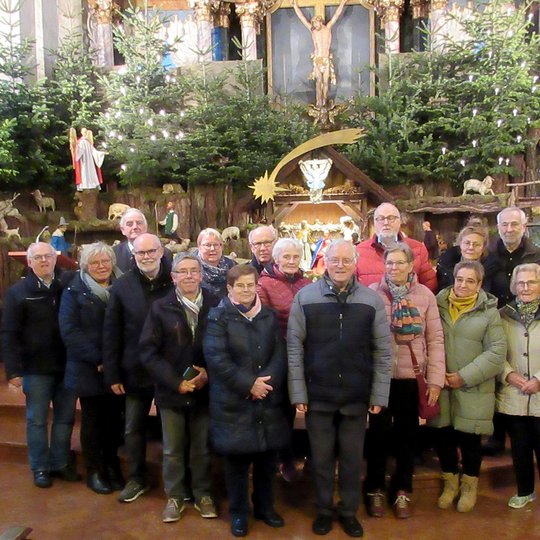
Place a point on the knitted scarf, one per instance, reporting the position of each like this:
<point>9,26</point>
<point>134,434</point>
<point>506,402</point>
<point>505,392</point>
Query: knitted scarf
<point>527,310</point>
<point>405,322</point>
<point>102,293</point>
<point>248,312</point>
<point>457,306</point>
<point>191,309</point>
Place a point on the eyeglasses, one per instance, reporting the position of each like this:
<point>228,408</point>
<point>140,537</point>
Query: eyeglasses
<point>265,243</point>
<point>211,246</point>
<point>245,286</point>
<point>334,261</point>
<point>184,273</point>
<point>390,219</point>
<point>399,264</point>
<point>510,224</point>
<point>104,262</point>
<point>468,243</point>
<point>149,252</point>
<point>528,284</point>
<point>46,257</point>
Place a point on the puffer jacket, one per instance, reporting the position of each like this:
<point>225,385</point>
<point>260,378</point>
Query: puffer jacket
<point>237,351</point>
<point>277,290</point>
<point>523,357</point>
<point>370,264</point>
<point>475,348</point>
<point>429,346</point>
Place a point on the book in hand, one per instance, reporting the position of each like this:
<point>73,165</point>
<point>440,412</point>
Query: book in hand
<point>189,373</point>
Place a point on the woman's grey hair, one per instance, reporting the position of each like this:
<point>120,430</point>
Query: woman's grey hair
<point>530,267</point>
<point>208,232</point>
<point>179,257</point>
<point>92,250</point>
<point>471,265</point>
<point>400,247</point>
<point>282,244</point>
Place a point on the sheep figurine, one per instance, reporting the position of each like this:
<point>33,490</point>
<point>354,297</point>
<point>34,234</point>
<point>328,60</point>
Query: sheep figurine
<point>482,187</point>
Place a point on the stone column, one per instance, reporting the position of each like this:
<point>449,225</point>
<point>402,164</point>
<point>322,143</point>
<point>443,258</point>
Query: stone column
<point>203,18</point>
<point>251,14</point>
<point>220,32</point>
<point>438,19</point>
<point>389,11</point>
<point>420,9</point>
<point>100,31</point>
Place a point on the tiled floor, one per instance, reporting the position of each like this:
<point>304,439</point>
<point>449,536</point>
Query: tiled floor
<point>72,512</point>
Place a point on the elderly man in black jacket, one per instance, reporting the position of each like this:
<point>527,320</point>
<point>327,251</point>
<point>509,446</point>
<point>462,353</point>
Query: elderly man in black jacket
<point>35,359</point>
<point>130,299</point>
<point>338,343</point>
<point>171,351</point>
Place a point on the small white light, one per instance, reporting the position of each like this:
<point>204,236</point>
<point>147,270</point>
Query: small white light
<point>471,78</point>
<point>122,70</point>
<point>182,113</point>
<point>165,134</point>
<point>507,161</point>
<point>137,79</point>
<point>162,112</point>
<point>528,119</point>
<point>120,137</point>
<point>497,90</point>
<point>112,134</point>
<point>474,112</point>
<point>519,138</point>
<point>490,54</point>
<point>132,149</point>
<point>107,115</point>
<point>515,112</point>
<point>153,137</point>
<point>123,91</point>
<point>510,33</point>
<point>173,79</point>
<point>150,122</point>
<point>534,88</point>
<point>118,114</point>
<point>501,160</point>
<point>535,78</point>
<point>475,143</point>
<point>180,135</point>
<point>141,111</point>
<point>462,161</point>
<point>123,167</point>
<point>167,78</point>
<point>499,123</point>
<point>523,65</point>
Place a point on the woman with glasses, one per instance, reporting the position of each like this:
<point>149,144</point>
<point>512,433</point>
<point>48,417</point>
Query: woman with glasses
<point>475,349</point>
<point>247,369</point>
<point>214,264</point>
<point>416,329</point>
<point>518,398</point>
<point>81,316</point>
<point>471,245</point>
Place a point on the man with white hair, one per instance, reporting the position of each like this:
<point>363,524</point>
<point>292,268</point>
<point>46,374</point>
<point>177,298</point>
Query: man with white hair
<point>370,265</point>
<point>35,360</point>
<point>261,242</point>
<point>132,224</point>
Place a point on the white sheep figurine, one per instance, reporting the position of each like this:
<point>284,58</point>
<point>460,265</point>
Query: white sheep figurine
<point>482,187</point>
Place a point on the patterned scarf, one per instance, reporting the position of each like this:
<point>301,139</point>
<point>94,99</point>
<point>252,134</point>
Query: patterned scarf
<point>216,276</point>
<point>406,322</point>
<point>457,306</point>
<point>250,312</point>
<point>527,310</point>
<point>191,309</point>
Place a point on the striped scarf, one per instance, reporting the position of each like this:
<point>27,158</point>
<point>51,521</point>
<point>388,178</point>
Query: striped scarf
<point>406,322</point>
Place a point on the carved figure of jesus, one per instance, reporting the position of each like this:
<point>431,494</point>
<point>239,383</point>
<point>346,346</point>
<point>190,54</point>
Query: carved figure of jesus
<point>323,66</point>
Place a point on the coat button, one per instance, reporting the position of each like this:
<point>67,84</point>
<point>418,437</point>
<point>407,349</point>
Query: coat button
<point>525,354</point>
<point>526,375</point>
<point>260,367</point>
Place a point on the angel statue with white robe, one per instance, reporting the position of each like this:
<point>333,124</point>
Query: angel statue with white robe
<point>87,161</point>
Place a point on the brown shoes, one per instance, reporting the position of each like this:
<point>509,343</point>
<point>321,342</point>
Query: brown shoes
<point>376,503</point>
<point>402,505</point>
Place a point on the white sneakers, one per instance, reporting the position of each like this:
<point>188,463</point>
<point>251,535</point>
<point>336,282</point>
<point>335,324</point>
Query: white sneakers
<point>519,502</point>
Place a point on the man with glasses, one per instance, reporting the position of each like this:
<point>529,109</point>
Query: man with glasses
<point>338,343</point>
<point>370,265</point>
<point>512,249</point>
<point>171,351</point>
<point>131,296</point>
<point>132,224</point>
<point>35,360</point>
<point>261,242</point>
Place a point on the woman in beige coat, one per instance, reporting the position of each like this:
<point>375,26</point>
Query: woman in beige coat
<point>518,398</point>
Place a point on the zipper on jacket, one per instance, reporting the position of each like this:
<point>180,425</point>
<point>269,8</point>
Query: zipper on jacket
<point>340,326</point>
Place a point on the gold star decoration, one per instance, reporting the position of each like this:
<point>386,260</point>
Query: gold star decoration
<point>265,188</point>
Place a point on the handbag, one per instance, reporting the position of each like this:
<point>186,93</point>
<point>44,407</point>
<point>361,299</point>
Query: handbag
<point>425,410</point>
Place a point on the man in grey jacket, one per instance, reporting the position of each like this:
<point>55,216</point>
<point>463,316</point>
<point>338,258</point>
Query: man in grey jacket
<point>339,352</point>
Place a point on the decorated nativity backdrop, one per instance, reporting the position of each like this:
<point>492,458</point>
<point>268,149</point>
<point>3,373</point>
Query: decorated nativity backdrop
<point>433,118</point>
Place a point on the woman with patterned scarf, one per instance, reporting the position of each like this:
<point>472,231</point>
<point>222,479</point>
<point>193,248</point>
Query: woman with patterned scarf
<point>518,398</point>
<point>475,350</point>
<point>416,327</point>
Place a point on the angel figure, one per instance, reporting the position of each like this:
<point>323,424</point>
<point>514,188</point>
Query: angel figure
<point>87,161</point>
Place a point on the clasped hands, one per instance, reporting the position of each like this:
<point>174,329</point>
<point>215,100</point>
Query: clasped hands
<point>194,384</point>
<point>527,386</point>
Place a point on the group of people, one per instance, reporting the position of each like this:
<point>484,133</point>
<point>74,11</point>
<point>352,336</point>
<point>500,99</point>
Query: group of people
<point>231,352</point>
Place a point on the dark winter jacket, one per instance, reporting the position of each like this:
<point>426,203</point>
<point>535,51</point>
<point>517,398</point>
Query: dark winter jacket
<point>237,351</point>
<point>505,262</point>
<point>168,347</point>
<point>131,297</point>
<point>277,290</point>
<point>31,341</point>
<point>81,319</point>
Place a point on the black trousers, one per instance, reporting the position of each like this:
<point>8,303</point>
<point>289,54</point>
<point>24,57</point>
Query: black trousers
<point>137,409</point>
<point>101,430</point>
<point>337,437</point>
<point>393,431</point>
<point>524,434</point>
<point>236,470</point>
<point>447,442</point>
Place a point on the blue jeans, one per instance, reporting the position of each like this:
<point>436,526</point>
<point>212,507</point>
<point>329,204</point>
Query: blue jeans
<point>40,391</point>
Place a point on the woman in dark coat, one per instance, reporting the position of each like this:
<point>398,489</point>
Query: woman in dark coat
<point>247,371</point>
<point>81,316</point>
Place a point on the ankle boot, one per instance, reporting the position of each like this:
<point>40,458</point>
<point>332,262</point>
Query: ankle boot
<point>469,488</point>
<point>450,490</point>
<point>98,484</point>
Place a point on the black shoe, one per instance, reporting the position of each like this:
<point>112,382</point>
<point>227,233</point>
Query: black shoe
<point>239,526</point>
<point>322,524</point>
<point>42,479</point>
<point>116,478</point>
<point>97,484</point>
<point>351,526</point>
<point>271,518</point>
<point>493,448</point>
<point>68,473</point>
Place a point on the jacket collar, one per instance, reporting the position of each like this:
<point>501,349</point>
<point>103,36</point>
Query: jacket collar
<point>511,311</point>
